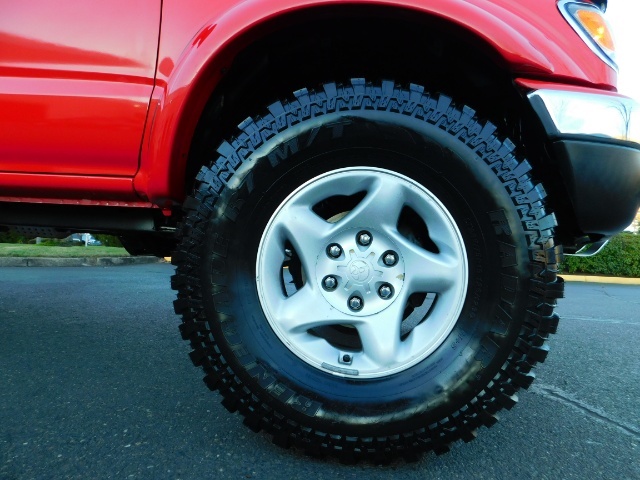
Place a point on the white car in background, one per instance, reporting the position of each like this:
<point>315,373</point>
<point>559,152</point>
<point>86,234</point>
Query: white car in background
<point>86,238</point>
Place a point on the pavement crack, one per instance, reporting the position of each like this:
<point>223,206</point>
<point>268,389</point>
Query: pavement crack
<point>600,320</point>
<point>554,393</point>
<point>616,297</point>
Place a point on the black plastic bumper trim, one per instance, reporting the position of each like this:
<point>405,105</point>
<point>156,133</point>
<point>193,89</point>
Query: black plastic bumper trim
<point>603,183</point>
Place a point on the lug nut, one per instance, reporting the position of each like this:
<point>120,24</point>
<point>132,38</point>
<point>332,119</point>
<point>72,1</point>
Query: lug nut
<point>330,282</point>
<point>334,250</point>
<point>390,259</point>
<point>364,238</point>
<point>356,303</point>
<point>346,358</point>
<point>385,291</point>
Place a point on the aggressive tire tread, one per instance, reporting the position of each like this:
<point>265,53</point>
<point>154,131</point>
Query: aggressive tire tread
<point>545,287</point>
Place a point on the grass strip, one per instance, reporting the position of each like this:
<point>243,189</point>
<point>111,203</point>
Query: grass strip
<point>26,250</point>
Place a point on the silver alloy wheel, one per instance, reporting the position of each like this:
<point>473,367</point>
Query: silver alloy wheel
<point>377,281</point>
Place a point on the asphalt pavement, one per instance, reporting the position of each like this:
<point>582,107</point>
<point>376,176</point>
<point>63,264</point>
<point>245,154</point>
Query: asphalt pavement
<point>95,382</point>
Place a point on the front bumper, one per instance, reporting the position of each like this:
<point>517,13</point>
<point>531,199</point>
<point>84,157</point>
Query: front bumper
<point>595,138</point>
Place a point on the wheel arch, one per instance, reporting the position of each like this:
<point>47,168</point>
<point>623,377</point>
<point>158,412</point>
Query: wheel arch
<point>208,67</point>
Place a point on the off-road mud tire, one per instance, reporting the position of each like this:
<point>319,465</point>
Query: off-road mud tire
<point>508,314</point>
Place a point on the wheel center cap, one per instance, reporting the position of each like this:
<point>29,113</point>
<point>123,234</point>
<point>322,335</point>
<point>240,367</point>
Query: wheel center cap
<point>354,278</point>
<point>359,271</point>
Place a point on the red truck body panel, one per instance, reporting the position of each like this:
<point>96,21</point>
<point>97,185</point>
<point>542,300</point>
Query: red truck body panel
<point>75,83</point>
<point>98,94</point>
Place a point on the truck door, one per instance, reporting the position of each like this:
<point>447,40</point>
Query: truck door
<point>75,81</point>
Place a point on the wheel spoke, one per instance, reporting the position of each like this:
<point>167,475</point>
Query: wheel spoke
<point>380,336</point>
<point>380,207</point>
<point>307,232</point>
<point>427,271</point>
<point>304,310</point>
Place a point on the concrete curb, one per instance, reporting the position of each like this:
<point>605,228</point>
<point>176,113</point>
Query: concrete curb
<point>598,279</point>
<point>76,261</point>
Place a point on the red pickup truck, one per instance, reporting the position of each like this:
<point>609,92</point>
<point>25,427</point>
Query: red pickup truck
<point>366,201</point>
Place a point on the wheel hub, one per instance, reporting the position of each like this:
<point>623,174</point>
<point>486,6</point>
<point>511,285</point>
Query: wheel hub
<point>360,271</point>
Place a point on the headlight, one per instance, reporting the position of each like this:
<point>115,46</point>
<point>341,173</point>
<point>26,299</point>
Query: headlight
<point>588,21</point>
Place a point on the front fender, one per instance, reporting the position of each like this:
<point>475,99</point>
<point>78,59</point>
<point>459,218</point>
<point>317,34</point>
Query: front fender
<point>194,54</point>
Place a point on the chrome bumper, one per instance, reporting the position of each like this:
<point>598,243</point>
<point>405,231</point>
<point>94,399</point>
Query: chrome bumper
<point>593,114</point>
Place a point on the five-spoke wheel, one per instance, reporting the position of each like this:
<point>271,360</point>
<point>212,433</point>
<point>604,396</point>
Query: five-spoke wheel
<point>366,287</point>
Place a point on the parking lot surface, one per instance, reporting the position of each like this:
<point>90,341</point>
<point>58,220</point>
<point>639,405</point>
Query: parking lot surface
<point>96,383</point>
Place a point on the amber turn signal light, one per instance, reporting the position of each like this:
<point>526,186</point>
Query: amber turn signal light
<point>589,23</point>
<point>596,26</point>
